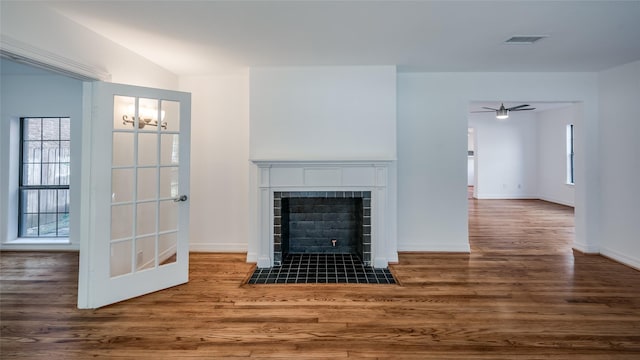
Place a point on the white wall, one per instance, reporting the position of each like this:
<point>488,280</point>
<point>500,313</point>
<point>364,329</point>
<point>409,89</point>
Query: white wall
<point>432,128</point>
<point>26,91</point>
<point>506,160</point>
<point>323,113</point>
<point>432,148</point>
<point>552,158</point>
<point>619,90</point>
<point>55,36</point>
<point>219,203</point>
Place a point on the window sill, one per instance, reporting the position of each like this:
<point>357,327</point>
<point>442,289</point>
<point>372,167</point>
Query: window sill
<point>39,241</point>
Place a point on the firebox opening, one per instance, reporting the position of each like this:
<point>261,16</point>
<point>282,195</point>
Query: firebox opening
<point>322,226</point>
<point>322,222</point>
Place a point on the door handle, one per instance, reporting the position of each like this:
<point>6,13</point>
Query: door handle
<point>181,198</point>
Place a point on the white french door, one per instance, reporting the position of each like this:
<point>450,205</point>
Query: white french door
<point>135,188</point>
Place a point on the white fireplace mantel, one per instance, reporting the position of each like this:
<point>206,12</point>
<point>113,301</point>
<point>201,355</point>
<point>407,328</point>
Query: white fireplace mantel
<point>376,176</point>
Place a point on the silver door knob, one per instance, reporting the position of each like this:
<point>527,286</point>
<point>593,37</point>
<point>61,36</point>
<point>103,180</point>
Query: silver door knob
<point>181,198</point>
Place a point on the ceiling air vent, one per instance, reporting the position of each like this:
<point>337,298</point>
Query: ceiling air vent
<point>524,40</point>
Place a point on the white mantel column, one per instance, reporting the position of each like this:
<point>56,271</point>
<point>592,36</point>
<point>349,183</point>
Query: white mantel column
<point>265,218</point>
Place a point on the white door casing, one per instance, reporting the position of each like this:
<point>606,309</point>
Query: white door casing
<point>135,188</point>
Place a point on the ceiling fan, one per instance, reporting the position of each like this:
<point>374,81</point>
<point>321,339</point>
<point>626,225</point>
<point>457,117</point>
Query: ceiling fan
<point>503,113</point>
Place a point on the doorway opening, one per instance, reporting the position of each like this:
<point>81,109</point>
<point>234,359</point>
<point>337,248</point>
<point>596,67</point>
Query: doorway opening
<point>518,165</point>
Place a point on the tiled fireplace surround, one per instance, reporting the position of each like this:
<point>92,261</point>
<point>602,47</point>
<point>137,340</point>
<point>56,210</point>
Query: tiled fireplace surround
<point>363,184</point>
<point>307,222</point>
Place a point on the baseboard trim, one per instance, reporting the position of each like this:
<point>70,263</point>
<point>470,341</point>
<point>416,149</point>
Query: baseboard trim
<point>218,247</point>
<point>586,249</point>
<point>621,258</point>
<point>506,197</point>
<point>252,257</point>
<point>556,201</point>
<point>434,247</point>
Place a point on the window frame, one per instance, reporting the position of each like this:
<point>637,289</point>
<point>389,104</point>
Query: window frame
<point>21,226</point>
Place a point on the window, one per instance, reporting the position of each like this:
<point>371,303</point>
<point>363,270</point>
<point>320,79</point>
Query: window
<point>570,159</point>
<point>44,177</point>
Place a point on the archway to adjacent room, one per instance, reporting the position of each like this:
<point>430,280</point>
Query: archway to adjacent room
<point>518,180</point>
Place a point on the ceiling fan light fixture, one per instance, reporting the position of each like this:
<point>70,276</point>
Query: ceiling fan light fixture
<point>502,114</point>
<point>524,39</point>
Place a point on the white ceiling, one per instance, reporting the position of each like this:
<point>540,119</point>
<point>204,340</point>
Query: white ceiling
<point>201,37</point>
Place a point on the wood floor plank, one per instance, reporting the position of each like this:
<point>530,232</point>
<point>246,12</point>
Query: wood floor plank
<point>522,293</point>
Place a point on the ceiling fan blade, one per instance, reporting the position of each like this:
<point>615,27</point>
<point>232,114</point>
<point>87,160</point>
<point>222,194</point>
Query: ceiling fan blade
<point>517,107</point>
<point>523,109</point>
<point>479,111</point>
<point>484,107</point>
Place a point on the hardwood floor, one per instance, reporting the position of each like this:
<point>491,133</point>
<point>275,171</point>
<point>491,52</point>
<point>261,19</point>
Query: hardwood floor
<point>521,294</point>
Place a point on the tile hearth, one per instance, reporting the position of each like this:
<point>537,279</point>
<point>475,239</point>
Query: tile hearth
<point>321,269</point>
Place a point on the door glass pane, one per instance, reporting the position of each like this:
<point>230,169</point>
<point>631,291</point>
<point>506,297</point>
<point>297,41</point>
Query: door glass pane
<point>167,248</point>
<point>168,215</point>
<point>147,183</point>
<point>145,252</point>
<point>121,185</point>
<point>148,112</point>
<point>147,149</point>
<point>121,257</point>
<point>169,151</point>
<point>122,149</point>
<point>146,218</point>
<point>171,112</point>
<point>121,221</point>
<point>169,182</point>
<point>123,112</point>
